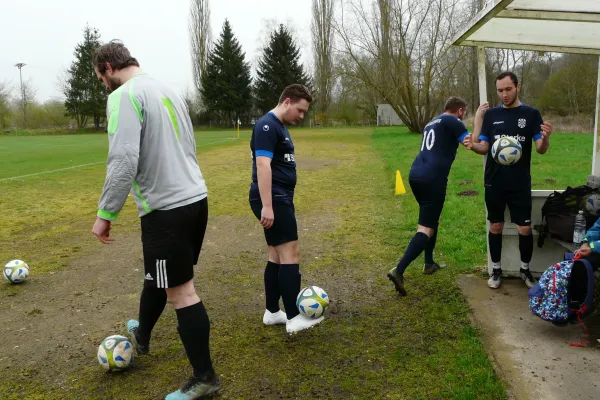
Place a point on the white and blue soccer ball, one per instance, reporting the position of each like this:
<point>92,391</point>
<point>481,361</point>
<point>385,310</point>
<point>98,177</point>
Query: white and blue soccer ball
<point>507,151</point>
<point>312,302</point>
<point>115,353</point>
<point>16,271</point>
<point>592,204</point>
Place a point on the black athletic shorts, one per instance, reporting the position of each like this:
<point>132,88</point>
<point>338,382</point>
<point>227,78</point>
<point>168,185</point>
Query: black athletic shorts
<point>518,201</point>
<point>431,196</point>
<point>171,241</point>
<point>284,227</point>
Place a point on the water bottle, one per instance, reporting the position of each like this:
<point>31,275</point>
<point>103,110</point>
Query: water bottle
<point>579,231</point>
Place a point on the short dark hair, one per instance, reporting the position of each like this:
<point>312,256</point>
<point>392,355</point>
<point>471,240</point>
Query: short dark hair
<point>512,75</point>
<point>295,93</point>
<point>453,104</point>
<point>114,53</point>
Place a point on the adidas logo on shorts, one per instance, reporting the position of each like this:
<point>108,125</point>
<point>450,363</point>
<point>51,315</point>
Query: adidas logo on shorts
<point>149,277</point>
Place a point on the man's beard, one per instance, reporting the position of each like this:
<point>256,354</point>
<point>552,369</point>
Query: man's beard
<point>513,101</point>
<point>113,84</point>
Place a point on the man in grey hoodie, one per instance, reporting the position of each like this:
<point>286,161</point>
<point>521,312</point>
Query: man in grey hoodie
<point>152,154</point>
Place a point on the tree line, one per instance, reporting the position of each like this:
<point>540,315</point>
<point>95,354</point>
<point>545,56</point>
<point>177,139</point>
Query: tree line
<point>363,52</point>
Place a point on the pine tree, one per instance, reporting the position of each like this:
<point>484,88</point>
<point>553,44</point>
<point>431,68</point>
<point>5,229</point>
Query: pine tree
<point>226,81</point>
<point>279,67</point>
<point>85,94</point>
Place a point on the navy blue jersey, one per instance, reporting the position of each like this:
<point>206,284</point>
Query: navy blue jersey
<point>522,123</point>
<point>441,138</point>
<point>270,138</point>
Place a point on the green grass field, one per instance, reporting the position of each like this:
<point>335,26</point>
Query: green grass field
<point>34,154</point>
<point>372,345</point>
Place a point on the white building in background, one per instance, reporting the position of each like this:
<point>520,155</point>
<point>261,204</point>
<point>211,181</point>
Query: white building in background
<point>386,116</point>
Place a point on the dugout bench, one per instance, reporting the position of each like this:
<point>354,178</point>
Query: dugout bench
<point>553,249</point>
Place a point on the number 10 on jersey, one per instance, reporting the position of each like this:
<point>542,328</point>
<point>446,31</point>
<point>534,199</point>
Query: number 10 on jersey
<point>428,139</point>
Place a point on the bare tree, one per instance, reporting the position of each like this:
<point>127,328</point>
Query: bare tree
<point>349,89</point>
<point>5,90</point>
<point>55,113</point>
<point>322,42</point>
<point>200,38</point>
<point>24,99</point>
<point>402,49</point>
<point>62,82</point>
<point>5,113</point>
<point>532,68</point>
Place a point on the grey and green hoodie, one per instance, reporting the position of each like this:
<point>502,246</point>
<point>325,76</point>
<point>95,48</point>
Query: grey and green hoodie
<point>151,150</point>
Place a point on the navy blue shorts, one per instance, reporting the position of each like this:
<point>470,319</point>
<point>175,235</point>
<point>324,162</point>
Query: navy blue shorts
<point>518,201</point>
<point>431,196</point>
<point>285,228</point>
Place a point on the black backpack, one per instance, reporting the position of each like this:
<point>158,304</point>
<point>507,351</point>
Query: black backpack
<point>559,212</point>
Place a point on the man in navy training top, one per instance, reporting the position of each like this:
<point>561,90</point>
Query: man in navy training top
<point>428,179</point>
<point>510,185</point>
<point>272,202</point>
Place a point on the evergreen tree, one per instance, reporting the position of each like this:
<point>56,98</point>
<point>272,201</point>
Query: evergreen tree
<point>279,67</point>
<point>226,81</point>
<point>85,94</point>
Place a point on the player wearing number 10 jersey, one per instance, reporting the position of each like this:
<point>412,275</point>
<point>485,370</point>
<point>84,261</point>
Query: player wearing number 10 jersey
<point>428,179</point>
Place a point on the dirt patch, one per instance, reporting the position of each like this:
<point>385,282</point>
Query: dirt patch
<point>468,193</point>
<point>52,327</point>
<point>307,163</point>
<point>550,181</point>
<point>64,315</point>
<point>466,183</point>
<point>593,326</point>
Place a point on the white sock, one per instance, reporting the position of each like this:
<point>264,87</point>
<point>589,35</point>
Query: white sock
<point>524,265</point>
<point>497,265</point>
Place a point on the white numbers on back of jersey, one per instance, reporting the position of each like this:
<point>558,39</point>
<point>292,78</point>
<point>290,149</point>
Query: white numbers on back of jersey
<point>428,140</point>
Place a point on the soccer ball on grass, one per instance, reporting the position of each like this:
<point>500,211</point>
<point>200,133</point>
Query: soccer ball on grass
<point>16,271</point>
<point>115,353</point>
<point>312,302</point>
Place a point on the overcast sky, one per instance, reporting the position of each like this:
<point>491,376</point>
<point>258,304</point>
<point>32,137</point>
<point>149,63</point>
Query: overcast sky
<point>43,34</point>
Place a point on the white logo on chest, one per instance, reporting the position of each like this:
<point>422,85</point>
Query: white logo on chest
<point>522,123</point>
<point>518,137</point>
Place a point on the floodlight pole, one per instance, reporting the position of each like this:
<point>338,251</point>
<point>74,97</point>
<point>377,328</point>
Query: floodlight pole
<point>20,66</point>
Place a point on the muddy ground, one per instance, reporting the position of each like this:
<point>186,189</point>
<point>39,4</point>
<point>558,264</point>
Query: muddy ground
<point>52,327</point>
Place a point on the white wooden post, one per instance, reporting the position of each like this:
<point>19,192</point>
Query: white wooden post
<point>482,75</point>
<point>482,84</point>
<point>482,99</point>
<point>596,158</point>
